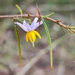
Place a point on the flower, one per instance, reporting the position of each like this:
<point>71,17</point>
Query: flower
<point>31,33</point>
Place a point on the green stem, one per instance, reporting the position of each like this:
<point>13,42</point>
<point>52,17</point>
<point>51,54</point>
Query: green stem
<point>19,47</point>
<point>49,41</point>
<point>48,15</point>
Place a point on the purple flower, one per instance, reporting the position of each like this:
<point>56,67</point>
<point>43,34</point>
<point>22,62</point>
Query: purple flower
<point>26,27</point>
<point>30,29</point>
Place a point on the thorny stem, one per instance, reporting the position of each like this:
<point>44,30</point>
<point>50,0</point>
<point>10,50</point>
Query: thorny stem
<point>32,16</point>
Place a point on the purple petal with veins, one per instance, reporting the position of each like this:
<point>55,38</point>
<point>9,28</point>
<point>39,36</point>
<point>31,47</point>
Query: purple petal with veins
<point>27,25</point>
<point>22,26</point>
<point>34,22</point>
<point>37,25</point>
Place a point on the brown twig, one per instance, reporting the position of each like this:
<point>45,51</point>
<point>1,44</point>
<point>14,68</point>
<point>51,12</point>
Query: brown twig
<point>19,16</point>
<point>60,23</point>
<point>32,16</point>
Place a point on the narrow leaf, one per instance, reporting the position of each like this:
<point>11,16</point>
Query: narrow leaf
<point>22,19</point>
<point>49,41</point>
<point>51,14</point>
<point>73,27</point>
<point>19,47</point>
<point>62,29</point>
<point>20,10</point>
<point>70,31</point>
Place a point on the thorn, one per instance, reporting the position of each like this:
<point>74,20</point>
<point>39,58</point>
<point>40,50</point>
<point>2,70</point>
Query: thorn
<point>27,13</point>
<point>58,21</point>
<point>37,12</point>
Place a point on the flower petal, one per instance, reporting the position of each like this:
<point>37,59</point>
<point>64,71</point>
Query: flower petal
<point>34,22</point>
<point>37,25</point>
<point>21,25</point>
<point>28,27</point>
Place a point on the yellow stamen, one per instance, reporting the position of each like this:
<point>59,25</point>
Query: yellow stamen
<point>36,33</point>
<point>31,35</point>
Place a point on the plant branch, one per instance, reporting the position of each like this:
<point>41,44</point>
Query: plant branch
<point>60,24</point>
<point>32,16</point>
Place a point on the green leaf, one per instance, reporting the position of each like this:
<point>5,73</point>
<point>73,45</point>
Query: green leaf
<point>70,31</point>
<point>49,15</point>
<point>22,19</point>
<point>49,41</point>
<point>62,29</point>
<point>20,10</point>
<point>18,41</point>
<point>73,27</point>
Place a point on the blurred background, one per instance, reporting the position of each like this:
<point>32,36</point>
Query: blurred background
<point>34,61</point>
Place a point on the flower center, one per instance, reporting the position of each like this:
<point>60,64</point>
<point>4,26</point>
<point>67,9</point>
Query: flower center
<point>31,36</point>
